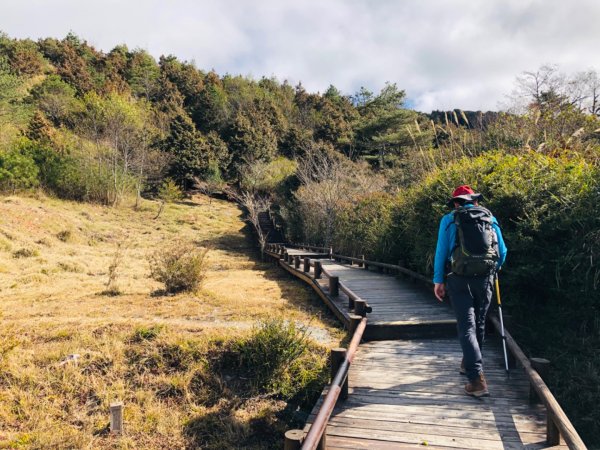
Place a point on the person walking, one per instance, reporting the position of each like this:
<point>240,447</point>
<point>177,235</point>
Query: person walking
<point>470,250</point>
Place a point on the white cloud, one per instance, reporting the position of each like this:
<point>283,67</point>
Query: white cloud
<point>445,54</point>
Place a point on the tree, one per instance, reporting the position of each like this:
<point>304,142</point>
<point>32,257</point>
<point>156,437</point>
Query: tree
<point>251,137</point>
<point>10,93</point>
<point>185,145</point>
<point>55,98</point>
<point>25,58</point>
<point>122,130</point>
<point>142,74</point>
<point>382,126</point>
<point>254,205</point>
<point>40,129</point>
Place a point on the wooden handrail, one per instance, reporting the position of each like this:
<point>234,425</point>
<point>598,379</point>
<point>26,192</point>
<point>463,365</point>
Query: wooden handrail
<point>401,269</point>
<point>554,411</point>
<point>311,247</point>
<point>317,429</point>
<point>346,290</point>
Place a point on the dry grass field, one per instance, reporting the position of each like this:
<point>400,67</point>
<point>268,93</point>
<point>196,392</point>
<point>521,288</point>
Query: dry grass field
<point>68,348</point>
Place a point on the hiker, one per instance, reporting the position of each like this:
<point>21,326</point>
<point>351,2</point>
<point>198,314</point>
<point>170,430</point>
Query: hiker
<point>470,245</point>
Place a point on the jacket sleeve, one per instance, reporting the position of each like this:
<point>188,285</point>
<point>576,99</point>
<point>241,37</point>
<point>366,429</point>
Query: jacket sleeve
<point>502,250</point>
<point>442,250</point>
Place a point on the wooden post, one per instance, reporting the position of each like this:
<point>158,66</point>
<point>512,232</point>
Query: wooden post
<point>285,257</point>
<point>306,265</point>
<point>323,442</point>
<point>334,286</point>
<point>116,418</point>
<point>337,358</point>
<point>361,263</point>
<point>354,321</point>
<point>296,262</point>
<point>542,366</point>
<point>552,433</point>
<point>293,439</point>
<point>350,303</point>
<point>318,269</point>
<point>360,308</point>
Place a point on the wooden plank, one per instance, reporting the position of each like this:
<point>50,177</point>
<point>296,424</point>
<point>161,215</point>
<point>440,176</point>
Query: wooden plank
<point>415,438</point>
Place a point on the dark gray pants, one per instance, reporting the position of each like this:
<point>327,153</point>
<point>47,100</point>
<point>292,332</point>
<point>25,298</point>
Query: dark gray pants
<point>471,298</point>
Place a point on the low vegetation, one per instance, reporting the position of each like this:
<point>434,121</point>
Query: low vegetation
<point>179,266</point>
<point>84,324</point>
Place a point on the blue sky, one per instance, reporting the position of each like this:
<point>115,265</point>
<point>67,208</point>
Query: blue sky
<point>444,53</point>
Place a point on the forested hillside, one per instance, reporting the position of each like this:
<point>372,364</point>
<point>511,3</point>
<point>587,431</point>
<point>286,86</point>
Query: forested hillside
<point>359,172</point>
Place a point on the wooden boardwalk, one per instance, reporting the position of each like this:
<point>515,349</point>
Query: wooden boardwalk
<point>407,393</point>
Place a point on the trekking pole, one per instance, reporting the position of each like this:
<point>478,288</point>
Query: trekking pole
<point>501,324</point>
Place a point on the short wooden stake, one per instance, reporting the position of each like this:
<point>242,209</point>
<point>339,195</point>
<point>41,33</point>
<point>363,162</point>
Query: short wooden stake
<point>337,358</point>
<point>541,366</point>
<point>334,286</point>
<point>293,439</point>
<point>306,265</point>
<point>361,263</point>
<point>318,270</point>
<point>296,262</point>
<point>350,303</point>
<point>354,321</point>
<point>116,418</point>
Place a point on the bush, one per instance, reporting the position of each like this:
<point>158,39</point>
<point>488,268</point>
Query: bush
<point>180,266</point>
<point>364,227</point>
<point>26,253</point>
<point>17,171</point>
<point>271,348</point>
<point>169,192</point>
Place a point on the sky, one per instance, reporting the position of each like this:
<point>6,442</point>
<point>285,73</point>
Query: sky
<point>444,53</point>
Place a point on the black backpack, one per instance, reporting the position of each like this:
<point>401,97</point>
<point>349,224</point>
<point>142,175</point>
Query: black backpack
<point>476,248</point>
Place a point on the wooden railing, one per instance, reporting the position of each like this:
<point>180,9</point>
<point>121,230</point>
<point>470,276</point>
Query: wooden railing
<point>558,424</point>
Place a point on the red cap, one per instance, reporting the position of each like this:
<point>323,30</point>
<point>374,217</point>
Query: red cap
<point>464,192</point>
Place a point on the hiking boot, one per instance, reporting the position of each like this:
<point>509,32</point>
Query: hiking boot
<point>477,387</point>
<point>462,370</point>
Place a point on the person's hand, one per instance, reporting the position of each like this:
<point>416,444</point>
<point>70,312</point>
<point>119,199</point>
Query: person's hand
<point>440,291</point>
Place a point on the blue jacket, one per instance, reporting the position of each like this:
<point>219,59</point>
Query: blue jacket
<point>446,241</point>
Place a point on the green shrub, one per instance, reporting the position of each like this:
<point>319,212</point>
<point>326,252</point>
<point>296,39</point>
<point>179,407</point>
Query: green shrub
<point>146,333</point>
<point>169,192</point>
<point>364,227</point>
<point>17,171</point>
<point>180,266</point>
<point>270,352</point>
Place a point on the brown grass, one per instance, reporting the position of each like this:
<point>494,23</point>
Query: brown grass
<point>52,305</point>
